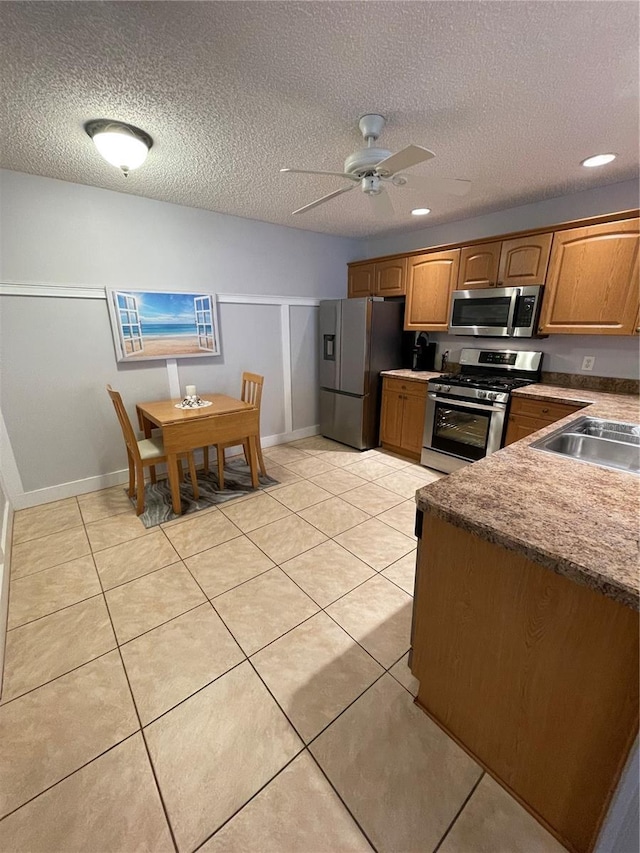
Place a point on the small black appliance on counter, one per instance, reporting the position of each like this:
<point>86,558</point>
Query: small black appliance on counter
<point>424,353</point>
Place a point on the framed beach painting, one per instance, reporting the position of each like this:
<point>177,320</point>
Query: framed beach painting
<point>150,324</point>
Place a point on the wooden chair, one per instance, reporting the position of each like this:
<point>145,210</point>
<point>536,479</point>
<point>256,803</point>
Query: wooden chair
<point>145,452</point>
<point>251,392</point>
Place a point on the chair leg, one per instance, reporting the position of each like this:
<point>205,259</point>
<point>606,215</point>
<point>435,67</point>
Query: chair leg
<point>247,453</point>
<point>192,475</point>
<point>132,476</point>
<point>152,473</point>
<point>220,450</point>
<point>263,467</point>
<point>140,490</point>
<point>180,471</point>
<point>205,459</point>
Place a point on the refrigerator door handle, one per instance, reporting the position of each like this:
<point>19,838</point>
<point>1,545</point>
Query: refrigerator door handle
<point>329,347</point>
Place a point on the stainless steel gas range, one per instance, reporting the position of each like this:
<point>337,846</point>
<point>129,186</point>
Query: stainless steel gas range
<point>466,412</point>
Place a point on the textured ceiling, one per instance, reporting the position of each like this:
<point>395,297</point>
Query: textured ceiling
<point>510,95</point>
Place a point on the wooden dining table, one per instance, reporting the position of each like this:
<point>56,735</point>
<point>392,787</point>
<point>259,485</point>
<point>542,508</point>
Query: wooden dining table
<point>225,420</point>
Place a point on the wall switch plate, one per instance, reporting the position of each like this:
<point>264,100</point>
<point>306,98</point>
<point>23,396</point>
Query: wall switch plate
<point>588,361</point>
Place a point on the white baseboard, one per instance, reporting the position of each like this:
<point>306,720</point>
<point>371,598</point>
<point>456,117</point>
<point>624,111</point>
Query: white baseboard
<point>5,571</point>
<point>115,478</point>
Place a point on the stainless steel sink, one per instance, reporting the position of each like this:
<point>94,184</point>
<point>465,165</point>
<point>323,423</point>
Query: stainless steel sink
<point>609,444</point>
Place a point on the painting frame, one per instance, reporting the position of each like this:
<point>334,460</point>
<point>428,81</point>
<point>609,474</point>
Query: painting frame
<point>148,325</point>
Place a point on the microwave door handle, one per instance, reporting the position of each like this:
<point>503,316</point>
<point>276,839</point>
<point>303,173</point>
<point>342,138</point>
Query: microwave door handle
<point>515,296</point>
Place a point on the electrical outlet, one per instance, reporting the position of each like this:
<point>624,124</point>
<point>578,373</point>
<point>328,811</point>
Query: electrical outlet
<point>588,361</point>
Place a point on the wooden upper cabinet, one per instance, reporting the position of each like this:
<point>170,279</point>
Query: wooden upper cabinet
<point>592,283</point>
<point>524,260</point>
<point>360,280</point>
<point>478,266</point>
<point>391,277</point>
<point>506,264</point>
<point>430,279</point>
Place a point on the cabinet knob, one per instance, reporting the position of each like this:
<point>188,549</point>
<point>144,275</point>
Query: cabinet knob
<point>544,411</point>
<point>498,283</point>
<point>638,330</point>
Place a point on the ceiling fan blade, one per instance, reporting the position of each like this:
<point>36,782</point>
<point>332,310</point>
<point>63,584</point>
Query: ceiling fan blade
<point>316,172</point>
<point>323,199</point>
<point>448,186</point>
<point>409,156</point>
<point>381,205</point>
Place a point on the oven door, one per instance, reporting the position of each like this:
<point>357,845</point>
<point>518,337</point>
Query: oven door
<point>483,312</point>
<point>463,428</point>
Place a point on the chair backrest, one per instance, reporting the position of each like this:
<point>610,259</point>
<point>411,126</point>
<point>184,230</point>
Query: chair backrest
<point>127,430</point>
<point>252,389</point>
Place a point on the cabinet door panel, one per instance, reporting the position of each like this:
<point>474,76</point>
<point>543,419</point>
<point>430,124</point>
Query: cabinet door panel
<point>413,423</point>
<point>360,280</point>
<point>391,278</point>
<point>524,261</point>
<point>391,417</point>
<point>478,266</point>
<point>592,282</point>
<point>430,279</point>
<point>520,426</point>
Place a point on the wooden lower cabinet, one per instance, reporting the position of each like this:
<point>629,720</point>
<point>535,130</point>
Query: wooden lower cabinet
<point>528,416</point>
<point>402,416</point>
<point>535,675</point>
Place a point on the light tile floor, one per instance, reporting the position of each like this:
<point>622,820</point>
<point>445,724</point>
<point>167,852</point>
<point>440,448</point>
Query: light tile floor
<point>235,680</point>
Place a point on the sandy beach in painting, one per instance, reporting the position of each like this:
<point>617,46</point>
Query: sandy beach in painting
<point>166,345</point>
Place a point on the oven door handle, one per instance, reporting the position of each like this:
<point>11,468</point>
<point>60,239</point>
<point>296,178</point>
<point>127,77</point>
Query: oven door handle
<point>496,407</point>
<point>515,296</point>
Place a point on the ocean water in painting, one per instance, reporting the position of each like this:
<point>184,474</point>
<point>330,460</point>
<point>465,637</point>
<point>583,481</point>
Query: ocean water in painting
<point>170,330</point>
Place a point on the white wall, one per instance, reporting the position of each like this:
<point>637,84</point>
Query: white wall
<point>609,199</point>
<point>56,353</point>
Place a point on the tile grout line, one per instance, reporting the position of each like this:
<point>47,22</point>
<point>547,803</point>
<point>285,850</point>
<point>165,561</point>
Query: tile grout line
<point>59,610</point>
<point>208,600</point>
<point>137,713</point>
<point>459,812</point>
<point>336,792</point>
<point>71,773</point>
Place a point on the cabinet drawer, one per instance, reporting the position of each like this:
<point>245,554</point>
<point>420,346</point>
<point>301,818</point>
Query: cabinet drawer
<point>407,386</point>
<point>542,410</point>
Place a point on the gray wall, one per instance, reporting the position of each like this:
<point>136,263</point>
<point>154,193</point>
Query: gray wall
<point>57,354</point>
<point>615,356</point>
<point>53,231</point>
<point>609,199</point>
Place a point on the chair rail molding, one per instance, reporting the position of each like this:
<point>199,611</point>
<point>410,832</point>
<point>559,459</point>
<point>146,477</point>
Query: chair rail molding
<point>22,499</point>
<point>98,291</point>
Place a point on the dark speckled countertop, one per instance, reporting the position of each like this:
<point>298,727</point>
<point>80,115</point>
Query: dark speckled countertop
<point>576,519</point>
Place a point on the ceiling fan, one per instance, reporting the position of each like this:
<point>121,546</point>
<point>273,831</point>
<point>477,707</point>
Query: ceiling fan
<point>372,167</point>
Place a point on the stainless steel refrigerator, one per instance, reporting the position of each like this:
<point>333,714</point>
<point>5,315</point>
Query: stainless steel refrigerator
<point>358,339</point>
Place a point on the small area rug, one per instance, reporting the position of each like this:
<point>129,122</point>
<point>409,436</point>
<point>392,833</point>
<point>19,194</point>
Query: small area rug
<point>237,482</point>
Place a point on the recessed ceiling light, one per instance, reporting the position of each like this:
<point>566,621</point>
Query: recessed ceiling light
<point>598,160</point>
<point>421,211</point>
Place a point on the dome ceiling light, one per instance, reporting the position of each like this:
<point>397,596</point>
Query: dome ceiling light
<point>421,211</point>
<point>122,145</point>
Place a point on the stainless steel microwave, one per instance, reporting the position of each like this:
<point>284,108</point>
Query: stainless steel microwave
<point>503,312</point>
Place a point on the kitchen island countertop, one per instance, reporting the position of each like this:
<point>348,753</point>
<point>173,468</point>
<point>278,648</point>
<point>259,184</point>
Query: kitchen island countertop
<point>574,518</point>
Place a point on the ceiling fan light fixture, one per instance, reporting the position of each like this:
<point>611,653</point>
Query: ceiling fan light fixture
<point>123,145</point>
<point>598,160</point>
<point>420,211</point>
